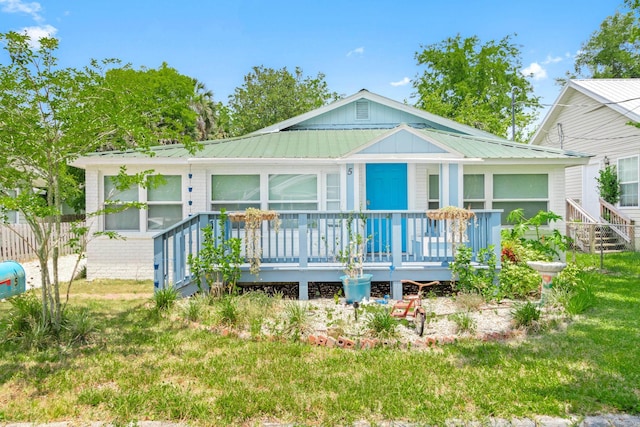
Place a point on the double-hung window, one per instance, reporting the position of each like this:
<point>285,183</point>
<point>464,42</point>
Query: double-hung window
<point>164,203</point>
<point>628,176</point>
<point>473,190</point>
<point>120,217</point>
<point>235,192</point>
<point>434,192</point>
<point>529,192</point>
<point>333,192</point>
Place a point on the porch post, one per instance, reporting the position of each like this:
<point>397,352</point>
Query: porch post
<point>396,254</point>
<point>351,187</point>
<point>451,185</point>
<point>158,264</point>
<point>303,258</point>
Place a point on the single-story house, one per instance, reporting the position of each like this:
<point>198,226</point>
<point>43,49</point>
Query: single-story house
<point>364,153</point>
<point>598,116</point>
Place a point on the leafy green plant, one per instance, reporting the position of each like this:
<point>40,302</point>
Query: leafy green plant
<point>464,322</point>
<point>547,245</point>
<point>518,281</point>
<point>381,323</point>
<point>581,299</point>
<point>475,279</point>
<point>609,184</point>
<point>296,320</point>
<point>353,252</point>
<point>165,298</point>
<point>228,310</point>
<point>194,308</point>
<point>525,315</point>
<point>80,326</point>
<point>219,258</point>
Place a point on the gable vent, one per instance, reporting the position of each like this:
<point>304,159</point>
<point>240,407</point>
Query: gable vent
<point>362,110</point>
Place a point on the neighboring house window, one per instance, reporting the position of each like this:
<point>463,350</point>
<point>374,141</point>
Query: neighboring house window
<point>434,192</point>
<point>10,216</point>
<point>529,192</point>
<point>473,190</point>
<point>126,220</point>
<point>333,192</point>
<point>235,192</point>
<point>628,175</point>
<point>164,203</point>
<point>293,192</point>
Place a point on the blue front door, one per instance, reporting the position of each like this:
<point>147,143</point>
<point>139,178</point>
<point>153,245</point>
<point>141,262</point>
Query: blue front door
<point>386,190</point>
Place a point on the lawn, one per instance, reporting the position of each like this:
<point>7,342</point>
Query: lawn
<point>148,366</point>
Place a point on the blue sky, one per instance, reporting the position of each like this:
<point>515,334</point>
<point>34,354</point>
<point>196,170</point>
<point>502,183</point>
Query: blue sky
<point>356,44</point>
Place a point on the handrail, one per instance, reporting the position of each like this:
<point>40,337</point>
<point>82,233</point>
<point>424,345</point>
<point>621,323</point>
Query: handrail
<point>620,223</point>
<point>576,213</point>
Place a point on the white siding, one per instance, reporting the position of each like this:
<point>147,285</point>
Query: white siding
<point>573,179</point>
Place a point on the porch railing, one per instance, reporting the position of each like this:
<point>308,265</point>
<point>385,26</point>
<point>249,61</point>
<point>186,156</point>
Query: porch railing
<point>307,244</point>
<point>621,224</point>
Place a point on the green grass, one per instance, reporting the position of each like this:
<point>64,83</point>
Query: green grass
<point>146,366</point>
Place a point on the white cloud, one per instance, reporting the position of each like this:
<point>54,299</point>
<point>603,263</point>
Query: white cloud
<point>536,71</point>
<point>18,6</point>
<point>402,82</point>
<point>552,59</point>
<point>36,33</point>
<point>357,51</point>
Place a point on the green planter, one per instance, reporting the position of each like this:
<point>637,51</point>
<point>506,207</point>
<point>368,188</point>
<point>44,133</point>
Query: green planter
<point>356,288</point>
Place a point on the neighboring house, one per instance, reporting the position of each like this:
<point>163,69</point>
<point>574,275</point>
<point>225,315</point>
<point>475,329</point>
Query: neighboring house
<point>361,153</point>
<point>596,116</point>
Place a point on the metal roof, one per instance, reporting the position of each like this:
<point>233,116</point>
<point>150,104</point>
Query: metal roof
<point>336,144</point>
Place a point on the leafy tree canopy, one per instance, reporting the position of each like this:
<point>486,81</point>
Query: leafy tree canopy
<point>269,96</point>
<point>50,116</point>
<point>472,83</point>
<point>612,51</point>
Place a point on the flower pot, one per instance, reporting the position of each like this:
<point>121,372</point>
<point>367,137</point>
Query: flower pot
<point>356,288</point>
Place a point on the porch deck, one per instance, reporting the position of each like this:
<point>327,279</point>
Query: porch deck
<point>402,245</point>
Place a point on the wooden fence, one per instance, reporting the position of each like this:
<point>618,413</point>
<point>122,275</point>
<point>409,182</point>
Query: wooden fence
<point>17,242</point>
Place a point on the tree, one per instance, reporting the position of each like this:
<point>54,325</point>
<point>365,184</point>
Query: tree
<point>210,120</point>
<point>613,51</point>
<point>269,96</point>
<point>473,83</point>
<point>49,116</point>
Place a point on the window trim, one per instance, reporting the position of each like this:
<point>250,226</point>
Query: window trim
<point>637,182</point>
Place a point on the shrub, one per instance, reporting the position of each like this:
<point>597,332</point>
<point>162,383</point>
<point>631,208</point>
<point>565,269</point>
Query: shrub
<point>296,320</point>
<point>464,322</point>
<point>525,315</point>
<point>165,298</point>
<point>469,278</point>
<point>518,280</point>
<point>228,310</point>
<point>80,326</point>
<point>381,323</point>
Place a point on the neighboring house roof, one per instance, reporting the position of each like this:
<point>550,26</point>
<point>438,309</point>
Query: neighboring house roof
<point>314,138</point>
<point>621,95</point>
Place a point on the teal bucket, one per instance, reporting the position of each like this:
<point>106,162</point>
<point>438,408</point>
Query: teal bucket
<point>356,288</point>
<point>12,279</point>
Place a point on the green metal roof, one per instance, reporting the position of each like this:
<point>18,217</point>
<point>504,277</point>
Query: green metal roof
<point>334,144</point>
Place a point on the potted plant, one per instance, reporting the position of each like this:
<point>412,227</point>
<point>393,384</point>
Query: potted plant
<point>356,284</point>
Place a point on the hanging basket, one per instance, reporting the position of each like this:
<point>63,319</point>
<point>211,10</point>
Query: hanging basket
<point>450,213</point>
<point>253,215</point>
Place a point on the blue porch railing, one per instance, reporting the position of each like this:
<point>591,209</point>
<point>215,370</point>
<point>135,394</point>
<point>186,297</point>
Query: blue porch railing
<point>402,245</point>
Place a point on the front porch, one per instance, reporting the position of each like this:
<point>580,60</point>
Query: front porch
<point>402,245</point>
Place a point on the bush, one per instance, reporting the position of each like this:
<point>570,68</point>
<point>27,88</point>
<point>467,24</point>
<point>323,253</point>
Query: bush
<point>80,326</point>
<point>518,281</point>
<point>472,279</point>
<point>165,298</point>
<point>526,315</point>
<point>381,323</point>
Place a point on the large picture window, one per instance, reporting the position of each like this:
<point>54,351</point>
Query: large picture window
<point>123,220</point>
<point>164,203</point>
<point>628,176</point>
<point>293,192</point>
<point>235,192</point>
<point>529,192</point>
<point>473,190</point>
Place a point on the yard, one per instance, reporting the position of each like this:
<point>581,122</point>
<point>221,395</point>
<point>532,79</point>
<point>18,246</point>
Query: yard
<point>146,364</point>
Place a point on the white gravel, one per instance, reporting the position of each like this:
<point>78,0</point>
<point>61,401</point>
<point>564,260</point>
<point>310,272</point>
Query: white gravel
<point>66,264</point>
